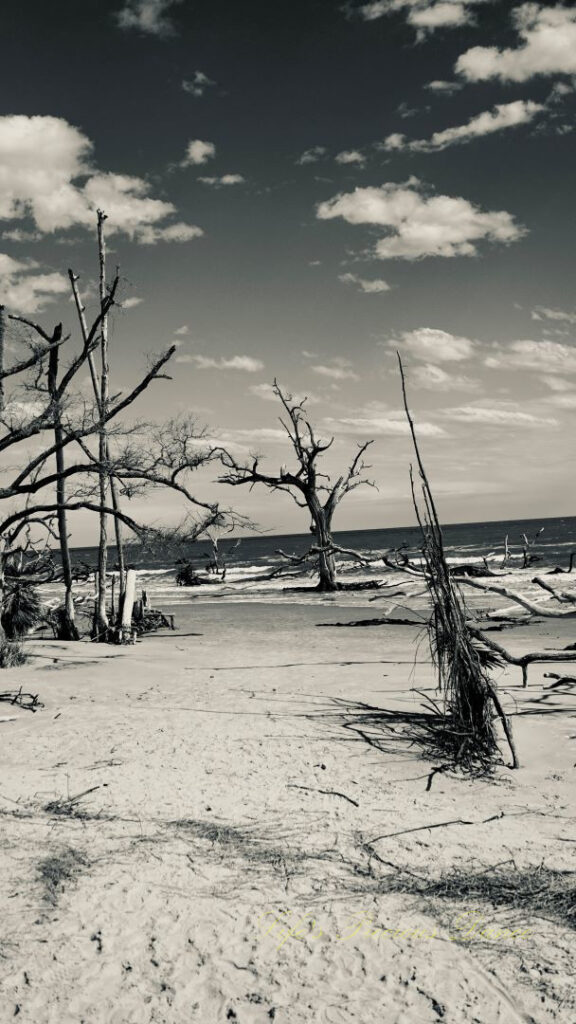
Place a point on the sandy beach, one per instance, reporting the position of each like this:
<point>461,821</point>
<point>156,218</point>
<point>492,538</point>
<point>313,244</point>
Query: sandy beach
<point>248,838</point>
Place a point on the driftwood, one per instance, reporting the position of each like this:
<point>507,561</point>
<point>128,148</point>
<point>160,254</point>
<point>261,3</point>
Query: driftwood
<point>27,701</point>
<point>523,660</point>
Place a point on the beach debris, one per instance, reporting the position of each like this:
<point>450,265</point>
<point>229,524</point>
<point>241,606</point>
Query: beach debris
<point>60,868</point>
<point>68,806</point>
<point>325,792</point>
<point>27,701</point>
<point>466,730</point>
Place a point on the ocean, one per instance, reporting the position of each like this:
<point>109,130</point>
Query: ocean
<point>552,540</point>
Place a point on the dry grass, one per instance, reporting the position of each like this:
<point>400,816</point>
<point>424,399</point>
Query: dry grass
<point>12,654</point>
<point>56,871</point>
<point>532,892</point>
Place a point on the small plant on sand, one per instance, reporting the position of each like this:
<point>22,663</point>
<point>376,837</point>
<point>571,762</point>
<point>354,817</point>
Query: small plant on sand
<point>12,654</point>
<point>57,870</point>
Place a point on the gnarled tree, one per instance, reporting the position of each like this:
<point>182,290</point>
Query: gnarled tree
<point>307,485</point>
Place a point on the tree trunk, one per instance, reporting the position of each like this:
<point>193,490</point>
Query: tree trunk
<point>2,335</point>
<point>101,623</point>
<point>326,562</point>
<point>66,628</point>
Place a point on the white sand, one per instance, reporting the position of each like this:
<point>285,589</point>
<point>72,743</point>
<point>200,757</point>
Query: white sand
<point>199,841</point>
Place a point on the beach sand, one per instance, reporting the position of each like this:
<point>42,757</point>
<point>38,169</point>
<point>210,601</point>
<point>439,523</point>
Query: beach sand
<point>218,870</point>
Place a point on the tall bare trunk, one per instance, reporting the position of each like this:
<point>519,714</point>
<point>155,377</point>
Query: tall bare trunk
<point>2,335</point>
<point>66,628</point>
<point>101,624</point>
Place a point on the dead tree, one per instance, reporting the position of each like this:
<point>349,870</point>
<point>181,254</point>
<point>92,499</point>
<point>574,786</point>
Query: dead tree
<point>307,485</point>
<point>45,487</point>
<point>462,660</point>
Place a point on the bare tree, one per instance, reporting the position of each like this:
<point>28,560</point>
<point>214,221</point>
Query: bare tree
<point>307,485</point>
<point>41,487</point>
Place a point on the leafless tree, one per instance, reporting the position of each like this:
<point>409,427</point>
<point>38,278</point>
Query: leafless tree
<point>64,472</point>
<point>307,485</point>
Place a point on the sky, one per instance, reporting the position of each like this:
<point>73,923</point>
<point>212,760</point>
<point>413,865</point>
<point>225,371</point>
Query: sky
<point>298,190</point>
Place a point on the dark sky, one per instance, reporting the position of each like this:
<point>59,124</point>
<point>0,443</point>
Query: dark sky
<point>295,275</point>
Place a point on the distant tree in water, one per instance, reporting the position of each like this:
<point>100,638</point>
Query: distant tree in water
<point>306,484</point>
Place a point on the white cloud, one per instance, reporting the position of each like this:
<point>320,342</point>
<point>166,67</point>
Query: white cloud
<point>198,84</point>
<point>434,378</point>
<point>445,88</point>
<point>542,313</point>
<point>256,434</point>
<point>546,356</point>
<point>46,172</point>
<point>424,15</point>
<point>435,346</point>
<point>20,236</point>
<point>504,115</point>
<point>198,153</point>
<point>381,426</point>
<point>245,363</point>
<point>267,394</point>
<point>420,225</point>
<point>497,417</point>
<point>224,180</point>
<point>350,156</point>
<point>557,383</point>
<point>148,16</point>
<point>172,233</point>
<point>339,370</point>
<point>373,287</point>
<point>547,47</point>
<point>23,289</point>
<point>565,401</point>
<point>312,156</point>
<point>131,302</point>
<point>181,331</point>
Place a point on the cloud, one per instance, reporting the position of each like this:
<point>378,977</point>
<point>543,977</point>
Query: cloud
<point>198,153</point>
<point>312,156</point>
<point>245,363</point>
<point>350,156</point>
<point>443,88</point>
<point>504,115</point>
<point>223,181</point>
<point>547,47</point>
<point>420,225</point>
<point>198,84</point>
<point>20,236</point>
<point>434,378</point>
<point>46,172</point>
<point>496,417</point>
<point>181,331</point>
<point>381,426</point>
<point>256,434</point>
<point>148,16</point>
<point>565,401</point>
<point>435,346</point>
<point>340,369</point>
<point>545,356</point>
<point>131,302</point>
<point>373,287</point>
<point>557,383</point>
<point>424,15</point>
<point>542,313</point>
<point>172,233</point>
<point>267,394</point>
<point>25,290</point>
